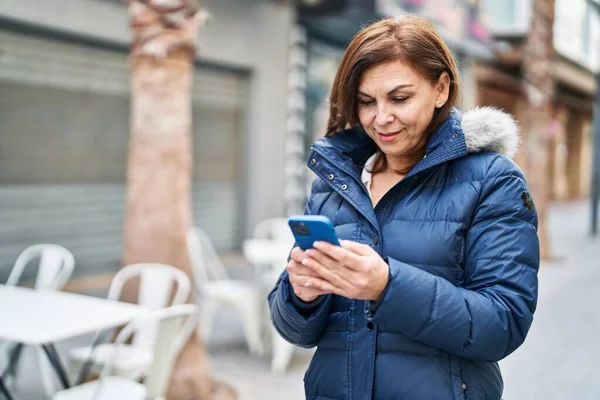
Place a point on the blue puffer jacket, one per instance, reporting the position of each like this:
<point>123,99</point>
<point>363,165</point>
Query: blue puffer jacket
<point>459,235</point>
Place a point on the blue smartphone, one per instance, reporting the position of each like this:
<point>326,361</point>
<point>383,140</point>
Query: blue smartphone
<point>308,229</point>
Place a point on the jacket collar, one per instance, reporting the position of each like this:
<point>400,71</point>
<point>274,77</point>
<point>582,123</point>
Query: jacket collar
<point>339,158</point>
<point>479,130</point>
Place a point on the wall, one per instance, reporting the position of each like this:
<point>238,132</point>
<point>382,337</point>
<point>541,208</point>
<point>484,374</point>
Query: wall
<point>558,156</point>
<point>571,38</point>
<point>250,34</point>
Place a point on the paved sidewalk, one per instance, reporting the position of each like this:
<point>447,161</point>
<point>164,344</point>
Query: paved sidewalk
<point>558,361</point>
<point>560,358</point>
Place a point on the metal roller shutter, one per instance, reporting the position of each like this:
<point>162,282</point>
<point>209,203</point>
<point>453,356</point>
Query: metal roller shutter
<point>64,131</point>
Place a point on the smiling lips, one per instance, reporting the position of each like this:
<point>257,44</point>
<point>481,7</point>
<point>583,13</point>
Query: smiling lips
<point>387,137</point>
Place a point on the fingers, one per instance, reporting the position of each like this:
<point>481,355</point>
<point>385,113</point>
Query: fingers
<point>357,248</point>
<point>341,255</point>
<point>307,294</point>
<point>322,285</point>
<point>327,268</point>
<point>322,258</point>
<point>300,278</point>
<point>298,269</point>
<point>297,254</point>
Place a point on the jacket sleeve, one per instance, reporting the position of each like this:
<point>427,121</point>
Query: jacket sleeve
<point>297,322</point>
<point>489,317</point>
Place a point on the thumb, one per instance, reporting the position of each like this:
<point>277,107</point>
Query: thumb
<point>357,248</point>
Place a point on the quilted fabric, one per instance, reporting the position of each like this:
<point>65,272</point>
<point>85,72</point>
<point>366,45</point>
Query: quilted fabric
<point>463,253</point>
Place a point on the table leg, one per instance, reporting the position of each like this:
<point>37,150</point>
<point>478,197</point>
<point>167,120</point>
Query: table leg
<point>13,360</point>
<point>4,390</point>
<point>57,364</point>
<point>87,366</point>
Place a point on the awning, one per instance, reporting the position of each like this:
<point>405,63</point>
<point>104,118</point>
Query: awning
<point>337,21</point>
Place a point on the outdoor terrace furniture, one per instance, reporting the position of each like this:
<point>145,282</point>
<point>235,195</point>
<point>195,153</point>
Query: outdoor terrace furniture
<point>268,251</point>
<point>174,326</point>
<point>41,317</point>
<point>216,289</point>
<point>156,283</point>
<point>54,269</point>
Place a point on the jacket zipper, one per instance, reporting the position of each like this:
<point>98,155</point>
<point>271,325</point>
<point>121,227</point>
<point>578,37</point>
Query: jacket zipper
<point>341,193</point>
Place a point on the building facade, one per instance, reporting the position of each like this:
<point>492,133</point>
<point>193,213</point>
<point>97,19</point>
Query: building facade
<point>577,45</point>
<point>328,26</point>
<point>263,75</point>
<point>64,117</point>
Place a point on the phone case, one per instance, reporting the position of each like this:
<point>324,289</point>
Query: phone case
<point>308,229</point>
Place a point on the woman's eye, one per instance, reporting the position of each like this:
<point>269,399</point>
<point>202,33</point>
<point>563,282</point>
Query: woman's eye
<point>400,99</point>
<point>366,102</point>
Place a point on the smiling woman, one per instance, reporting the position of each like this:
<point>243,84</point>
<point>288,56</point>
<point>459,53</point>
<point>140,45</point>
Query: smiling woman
<point>435,278</point>
<point>394,106</point>
<point>397,118</point>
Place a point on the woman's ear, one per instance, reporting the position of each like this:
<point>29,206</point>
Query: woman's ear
<point>442,90</point>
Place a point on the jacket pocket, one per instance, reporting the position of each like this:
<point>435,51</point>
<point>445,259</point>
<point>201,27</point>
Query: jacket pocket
<point>463,380</point>
<point>458,379</point>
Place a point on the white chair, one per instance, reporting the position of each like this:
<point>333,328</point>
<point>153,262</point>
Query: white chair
<point>155,290</point>
<point>278,232</point>
<point>217,289</point>
<point>174,326</point>
<point>55,267</point>
<point>274,229</point>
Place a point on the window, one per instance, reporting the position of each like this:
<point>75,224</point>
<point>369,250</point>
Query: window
<point>507,17</point>
<point>586,31</point>
<point>576,32</point>
<point>502,12</point>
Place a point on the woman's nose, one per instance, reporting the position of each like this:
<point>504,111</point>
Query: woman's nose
<point>383,116</point>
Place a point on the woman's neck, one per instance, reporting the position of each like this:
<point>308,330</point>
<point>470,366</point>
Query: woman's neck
<point>402,164</point>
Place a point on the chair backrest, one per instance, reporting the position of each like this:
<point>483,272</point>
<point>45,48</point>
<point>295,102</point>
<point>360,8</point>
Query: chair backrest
<point>206,263</point>
<point>275,229</point>
<point>155,289</point>
<point>55,266</point>
<point>175,325</point>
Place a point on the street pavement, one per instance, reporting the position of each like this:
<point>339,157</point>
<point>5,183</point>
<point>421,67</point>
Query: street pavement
<point>559,359</point>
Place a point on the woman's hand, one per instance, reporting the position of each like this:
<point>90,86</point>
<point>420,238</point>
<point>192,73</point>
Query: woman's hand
<point>354,270</point>
<point>299,275</point>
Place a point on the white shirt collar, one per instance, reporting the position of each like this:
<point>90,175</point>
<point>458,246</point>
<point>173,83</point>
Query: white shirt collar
<point>366,176</point>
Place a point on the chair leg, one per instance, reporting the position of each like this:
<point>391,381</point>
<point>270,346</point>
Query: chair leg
<point>4,390</point>
<point>45,368</point>
<point>282,353</point>
<point>208,312</point>
<point>251,314</point>
<point>13,361</point>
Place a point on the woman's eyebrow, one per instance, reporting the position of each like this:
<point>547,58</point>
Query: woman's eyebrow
<point>404,86</point>
<point>398,88</point>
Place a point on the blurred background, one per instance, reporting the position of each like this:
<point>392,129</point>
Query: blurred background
<point>262,74</point>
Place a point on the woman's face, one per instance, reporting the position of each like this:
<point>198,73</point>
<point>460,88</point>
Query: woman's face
<point>396,104</point>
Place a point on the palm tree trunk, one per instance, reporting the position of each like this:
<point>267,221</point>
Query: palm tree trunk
<point>537,71</point>
<point>160,159</point>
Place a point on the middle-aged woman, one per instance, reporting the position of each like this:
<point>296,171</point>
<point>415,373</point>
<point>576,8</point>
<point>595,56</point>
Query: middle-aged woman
<point>436,276</point>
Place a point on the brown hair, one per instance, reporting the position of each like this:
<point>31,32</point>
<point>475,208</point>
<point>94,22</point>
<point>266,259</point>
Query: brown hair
<point>408,38</point>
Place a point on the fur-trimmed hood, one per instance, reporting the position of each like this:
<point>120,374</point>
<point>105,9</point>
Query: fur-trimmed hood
<point>490,129</point>
<point>482,129</point>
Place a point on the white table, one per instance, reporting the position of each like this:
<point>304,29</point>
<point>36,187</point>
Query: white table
<point>42,317</point>
<point>274,254</point>
<point>37,317</point>
<point>268,252</point>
